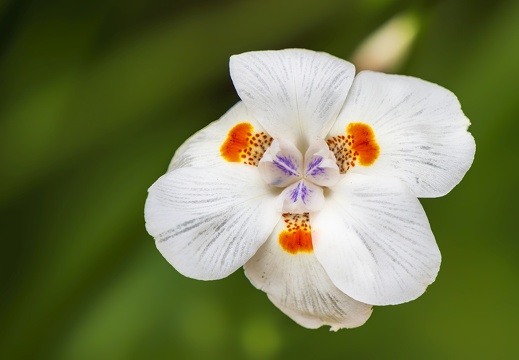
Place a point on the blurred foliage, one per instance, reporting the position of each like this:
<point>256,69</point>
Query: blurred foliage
<point>95,96</point>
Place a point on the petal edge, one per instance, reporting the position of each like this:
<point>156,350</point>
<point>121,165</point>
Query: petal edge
<point>374,241</point>
<point>295,94</point>
<point>207,222</point>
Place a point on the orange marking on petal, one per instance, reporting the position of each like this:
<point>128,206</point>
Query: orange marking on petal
<point>245,146</point>
<point>237,142</point>
<point>363,143</point>
<point>297,236</point>
<point>359,146</point>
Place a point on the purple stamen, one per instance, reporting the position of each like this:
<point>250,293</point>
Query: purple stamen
<point>295,193</point>
<point>314,169</point>
<point>286,165</point>
<point>301,191</point>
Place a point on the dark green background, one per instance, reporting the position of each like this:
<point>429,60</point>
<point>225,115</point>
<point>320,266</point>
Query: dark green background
<point>95,96</point>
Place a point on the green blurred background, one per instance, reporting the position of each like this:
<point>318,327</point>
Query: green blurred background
<point>95,96</point>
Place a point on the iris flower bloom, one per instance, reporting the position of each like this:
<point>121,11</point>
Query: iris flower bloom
<point>310,183</point>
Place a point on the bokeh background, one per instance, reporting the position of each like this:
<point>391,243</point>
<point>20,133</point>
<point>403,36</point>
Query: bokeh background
<point>95,96</point>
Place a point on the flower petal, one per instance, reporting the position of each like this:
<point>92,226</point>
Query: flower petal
<point>295,94</point>
<point>374,241</point>
<point>298,285</point>
<point>207,222</point>
<point>205,147</point>
<point>419,127</point>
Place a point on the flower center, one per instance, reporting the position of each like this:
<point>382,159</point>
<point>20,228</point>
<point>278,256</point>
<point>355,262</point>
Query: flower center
<point>302,178</point>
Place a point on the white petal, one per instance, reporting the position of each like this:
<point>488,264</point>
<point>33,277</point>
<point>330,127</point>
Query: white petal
<point>419,126</point>
<point>295,94</point>
<point>281,164</point>
<point>203,148</point>
<point>207,222</point>
<point>374,241</point>
<point>298,286</point>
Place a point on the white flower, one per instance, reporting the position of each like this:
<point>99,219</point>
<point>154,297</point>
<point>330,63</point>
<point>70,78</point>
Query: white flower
<point>311,183</point>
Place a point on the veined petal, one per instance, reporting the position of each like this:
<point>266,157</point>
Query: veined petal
<point>374,241</point>
<point>298,285</point>
<point>224,140</point>
<point>207,222</point>
<point>295,94</point>
<point>420,133</point>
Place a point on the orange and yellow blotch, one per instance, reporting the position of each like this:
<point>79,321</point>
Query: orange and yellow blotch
<point>362,141</point>
<point>244,145</point>
<point>357,146</point>
<point>296,237</point>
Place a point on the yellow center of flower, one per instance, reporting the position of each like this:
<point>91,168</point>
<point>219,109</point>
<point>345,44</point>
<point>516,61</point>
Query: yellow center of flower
<point>244,145</point>
<point>297,235</point>
<point>357,146</point>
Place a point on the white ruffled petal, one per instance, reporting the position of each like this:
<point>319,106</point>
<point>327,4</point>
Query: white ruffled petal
<point>207,222</point>
<point>374,240</point>
<point>419,127</point>
<point>205,147</point>
<point>298,285</point>
<point>295,94</point>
